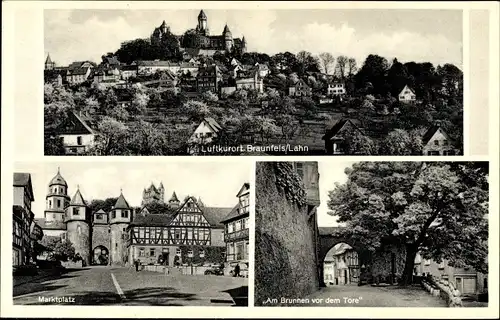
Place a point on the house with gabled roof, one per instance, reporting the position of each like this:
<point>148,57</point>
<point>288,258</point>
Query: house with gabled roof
<point>23,223</point>
<point>208,79</point>
<point>206,132</point>
<point>407,95</point>
<point>250,80</point>
<point>79,72</point>
<point>299,89</point>
<point>262,69</point>
<point>76,134</point>
<point>236,226</point>
<point>436,142</point>
<point>162,236</point>
<point>335,137</point>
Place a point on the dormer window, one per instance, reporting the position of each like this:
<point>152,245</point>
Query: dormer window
<point>98,216</point>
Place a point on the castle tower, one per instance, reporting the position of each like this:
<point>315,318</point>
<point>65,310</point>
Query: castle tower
<point>174,201</point>
<point>164,28</point>
<point>228,38</point>
<point>57,199</point>
<point>49,64</point>
<point>161,193</point>
<point>77,226</point>
<point>243,45</point>
<point>119,220</point>
<point>202,27</point>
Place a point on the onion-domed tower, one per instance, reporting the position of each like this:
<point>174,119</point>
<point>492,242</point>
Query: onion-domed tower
<point>77,226</point>
<point>119,220</point>
<point>57,199</point>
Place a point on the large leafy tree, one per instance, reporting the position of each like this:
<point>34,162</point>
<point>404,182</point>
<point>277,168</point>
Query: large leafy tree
<point>326,61</point>
<point>106,205</point>
<point>437,209</point>
<point>112,137</point>
<point>373,71</point>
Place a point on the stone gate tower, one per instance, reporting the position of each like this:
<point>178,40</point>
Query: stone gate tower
<point>77,226</point>
<point>119,220</point>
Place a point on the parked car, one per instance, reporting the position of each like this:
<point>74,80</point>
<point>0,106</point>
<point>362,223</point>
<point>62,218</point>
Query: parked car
<point>216,270</point>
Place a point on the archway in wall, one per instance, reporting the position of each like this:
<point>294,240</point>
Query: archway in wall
<point>341,265</point>
<point>100,256</point>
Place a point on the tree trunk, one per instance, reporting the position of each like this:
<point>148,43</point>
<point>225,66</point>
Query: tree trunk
<point>407,276</point>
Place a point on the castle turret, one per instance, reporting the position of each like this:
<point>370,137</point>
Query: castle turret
<point>202,27</point>
<point>119,220</point>
<point>243,45</point>
<point>174,201</point>
<point>161,193</point>
<point>228,38</point>
<point>164,27</point>
<point>49,64</point>
<point>57,199</point>
<point>77,226</point>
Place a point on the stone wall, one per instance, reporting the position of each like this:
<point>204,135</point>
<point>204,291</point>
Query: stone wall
<point>100,236</point>
<point>285,244</point>
<point>118,250</point>
<point>79,234</point>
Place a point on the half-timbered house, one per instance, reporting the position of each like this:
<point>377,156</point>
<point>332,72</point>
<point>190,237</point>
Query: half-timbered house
<point>170,238</point>
<point>236,234</point>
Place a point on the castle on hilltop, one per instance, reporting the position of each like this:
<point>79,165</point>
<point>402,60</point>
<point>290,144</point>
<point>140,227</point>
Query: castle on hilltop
<point>200,38</point>
<point>124,234</point>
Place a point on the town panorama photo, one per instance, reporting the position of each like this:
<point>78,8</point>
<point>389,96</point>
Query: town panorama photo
<point>253,82</point>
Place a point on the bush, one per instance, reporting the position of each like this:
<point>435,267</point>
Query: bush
<point>47,264</point>
<point>29,270</point>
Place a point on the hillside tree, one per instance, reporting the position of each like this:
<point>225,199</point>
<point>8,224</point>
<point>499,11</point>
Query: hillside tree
<point>326,62</point>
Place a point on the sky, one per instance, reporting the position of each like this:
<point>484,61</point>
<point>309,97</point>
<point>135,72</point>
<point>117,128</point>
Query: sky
<point>217,183</point>
<point>330,172</point>
<point>409,35</point>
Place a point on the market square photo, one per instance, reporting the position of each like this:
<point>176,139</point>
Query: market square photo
<point>168,234</point>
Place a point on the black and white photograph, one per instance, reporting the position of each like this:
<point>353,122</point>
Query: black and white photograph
<point>140,234</point>
<point>253,82</point>
<point>372,234</point>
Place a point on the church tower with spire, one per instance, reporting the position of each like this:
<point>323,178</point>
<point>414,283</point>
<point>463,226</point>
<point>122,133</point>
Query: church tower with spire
<point>243,45</point>
<point>119,220</point>
<point>57,199</point>
<point>77,226</point>
<point>174,201</point>
<point>49,64</point>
